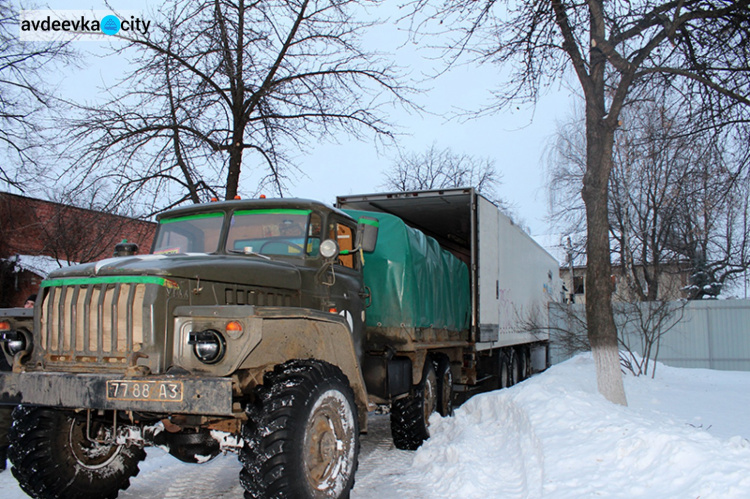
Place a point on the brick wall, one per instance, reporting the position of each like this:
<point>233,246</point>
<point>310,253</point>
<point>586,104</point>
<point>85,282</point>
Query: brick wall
<point>36,227</point>
<point>69,234</point>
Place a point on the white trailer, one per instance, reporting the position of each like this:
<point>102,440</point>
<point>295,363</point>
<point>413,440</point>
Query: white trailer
<point>512,277</point>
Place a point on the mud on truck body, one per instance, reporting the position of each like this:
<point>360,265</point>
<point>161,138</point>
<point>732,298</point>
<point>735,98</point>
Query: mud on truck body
<point>268,328</point>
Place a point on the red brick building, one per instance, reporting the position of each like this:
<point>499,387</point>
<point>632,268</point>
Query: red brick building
<point>38,236</point>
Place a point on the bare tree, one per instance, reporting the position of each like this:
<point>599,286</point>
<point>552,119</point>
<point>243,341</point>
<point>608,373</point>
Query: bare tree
<point>566,327</point>
<point>712,227</point>
<point>76,230</point>
<point>439,169</point>
<point>74,233</point>
<point>221,88</point>
<point>614,49</point>
<point>641,327</point>
<point>24,98</point>
<point>677,200</point>
<point>652,154</point>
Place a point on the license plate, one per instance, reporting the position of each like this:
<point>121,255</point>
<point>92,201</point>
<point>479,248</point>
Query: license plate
<point>156,391</point>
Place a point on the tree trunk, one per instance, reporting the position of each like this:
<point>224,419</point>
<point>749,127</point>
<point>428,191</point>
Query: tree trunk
<point>235,160</point>
<point>602,332</point>
<point>600,133</point>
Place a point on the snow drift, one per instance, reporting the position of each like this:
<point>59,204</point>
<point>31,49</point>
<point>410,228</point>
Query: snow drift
<point>553,436</point>
<point>684,435</point>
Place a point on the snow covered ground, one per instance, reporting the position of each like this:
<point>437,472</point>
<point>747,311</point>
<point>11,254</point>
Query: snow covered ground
<point>684,435</point>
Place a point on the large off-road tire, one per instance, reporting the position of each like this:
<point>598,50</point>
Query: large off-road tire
<point>410,415</point>
<point>444,386</point>
<point>52,458</point>
<point>302,434</point>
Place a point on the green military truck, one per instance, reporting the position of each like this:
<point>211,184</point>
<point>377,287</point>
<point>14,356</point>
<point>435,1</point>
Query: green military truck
<point>269,328</point>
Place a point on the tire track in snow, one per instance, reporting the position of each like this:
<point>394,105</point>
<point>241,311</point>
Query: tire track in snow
<point>165,477</point>
<point>382,467</point>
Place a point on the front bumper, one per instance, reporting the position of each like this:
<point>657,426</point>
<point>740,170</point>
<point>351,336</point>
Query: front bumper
<point>204,395</point>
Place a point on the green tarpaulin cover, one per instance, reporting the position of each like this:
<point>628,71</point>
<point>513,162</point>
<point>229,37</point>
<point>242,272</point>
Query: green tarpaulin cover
<point>414,282</point>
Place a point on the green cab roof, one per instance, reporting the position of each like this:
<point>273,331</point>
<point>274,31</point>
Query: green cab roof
<point>272,205</point>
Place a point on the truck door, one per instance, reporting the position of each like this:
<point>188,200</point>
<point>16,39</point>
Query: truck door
<point>348,289</point>
<point>489,286</point>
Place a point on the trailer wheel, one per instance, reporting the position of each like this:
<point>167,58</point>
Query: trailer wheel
<point>444,386</point>
<point>503,374</point>
<point>516,375</point>
<point>525,357</point>
<point>302,434</point>
<point>410,415</point>
<point>53,458</point>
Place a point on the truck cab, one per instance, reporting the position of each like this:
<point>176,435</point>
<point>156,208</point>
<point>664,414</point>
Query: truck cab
<point>264,253</point>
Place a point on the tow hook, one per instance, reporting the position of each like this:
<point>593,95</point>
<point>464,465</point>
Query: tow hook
<point>133,368</point>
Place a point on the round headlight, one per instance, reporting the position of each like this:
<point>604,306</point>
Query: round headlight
<point>329,248</point>
<point>209,346</point>
<point>17,341</point>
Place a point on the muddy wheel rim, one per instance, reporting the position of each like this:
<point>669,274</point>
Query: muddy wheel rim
<point>328,449</point>
<point>90,454</point>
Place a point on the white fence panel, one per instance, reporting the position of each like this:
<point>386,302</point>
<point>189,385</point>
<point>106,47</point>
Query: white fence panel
<point>712,334</point>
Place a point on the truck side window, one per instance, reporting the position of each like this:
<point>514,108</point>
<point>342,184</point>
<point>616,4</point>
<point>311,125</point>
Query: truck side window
<point>313,235</point>
<point>345,238</point>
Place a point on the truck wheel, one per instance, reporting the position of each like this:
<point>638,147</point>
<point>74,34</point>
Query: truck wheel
<point>302,434</point>
<point>410,415</point>
<point>52,458</point>
<point>444,386</point>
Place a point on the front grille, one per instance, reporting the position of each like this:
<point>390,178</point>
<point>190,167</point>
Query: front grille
<point>92,323</point>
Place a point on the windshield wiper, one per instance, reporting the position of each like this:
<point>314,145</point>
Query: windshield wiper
<point>250,253</point>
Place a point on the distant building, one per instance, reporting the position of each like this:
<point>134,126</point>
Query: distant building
<point>39,236</point>
<point>672,283</point>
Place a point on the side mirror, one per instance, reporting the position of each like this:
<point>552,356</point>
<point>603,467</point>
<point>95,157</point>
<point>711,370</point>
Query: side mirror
<point>367,233</point>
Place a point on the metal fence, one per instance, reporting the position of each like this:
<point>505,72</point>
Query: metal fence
<point>711,334</point>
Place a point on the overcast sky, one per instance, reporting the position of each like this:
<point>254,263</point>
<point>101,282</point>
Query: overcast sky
<point>515,140</point>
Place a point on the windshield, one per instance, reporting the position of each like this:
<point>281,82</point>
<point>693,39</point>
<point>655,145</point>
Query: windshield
<point>274,232</point>
<point>189,234</point>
